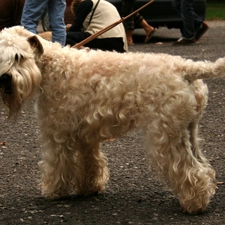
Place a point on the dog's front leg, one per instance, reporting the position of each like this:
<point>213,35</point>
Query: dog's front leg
<point>57,167</point>
<point>92,172</point>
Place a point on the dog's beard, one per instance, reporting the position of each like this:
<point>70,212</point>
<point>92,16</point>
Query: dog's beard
<point>20,83</point>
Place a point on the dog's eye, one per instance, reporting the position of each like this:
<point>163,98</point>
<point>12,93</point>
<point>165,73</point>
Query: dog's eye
<point>17,57</point>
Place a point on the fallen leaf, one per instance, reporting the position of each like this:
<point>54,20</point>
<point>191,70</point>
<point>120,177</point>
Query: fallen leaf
<point>110,140</point>
<point>219,182</point>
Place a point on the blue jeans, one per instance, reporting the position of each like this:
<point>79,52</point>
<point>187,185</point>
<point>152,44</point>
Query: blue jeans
<point>34,9</point>
<point>191,21</point>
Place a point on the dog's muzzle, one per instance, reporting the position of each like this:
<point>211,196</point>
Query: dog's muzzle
<point>6,83</point>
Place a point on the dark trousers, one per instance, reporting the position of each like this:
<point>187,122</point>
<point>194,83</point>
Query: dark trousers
<point>191,21</point>
<point>105,44</point>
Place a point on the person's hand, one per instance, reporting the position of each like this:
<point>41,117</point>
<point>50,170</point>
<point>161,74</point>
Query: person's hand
<point>68,27</point>
<point>87,49</point>
<point>84,48</point>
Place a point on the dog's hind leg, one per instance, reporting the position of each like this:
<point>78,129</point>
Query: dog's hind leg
<point>191,179</point>
<point>198,177</point>
<point>197,153</point>
<point>92,173</point>
<point>201,93</point>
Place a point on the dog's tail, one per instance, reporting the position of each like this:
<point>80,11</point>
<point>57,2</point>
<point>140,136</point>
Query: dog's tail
<point>204,69</point>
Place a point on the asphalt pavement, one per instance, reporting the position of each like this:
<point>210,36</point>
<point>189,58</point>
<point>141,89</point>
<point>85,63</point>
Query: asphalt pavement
<point>134,195</point>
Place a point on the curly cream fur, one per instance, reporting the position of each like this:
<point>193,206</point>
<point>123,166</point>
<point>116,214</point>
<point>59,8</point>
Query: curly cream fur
<point>85,98</point>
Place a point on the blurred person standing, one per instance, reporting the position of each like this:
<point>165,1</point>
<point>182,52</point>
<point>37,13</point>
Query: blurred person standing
<point>131,22</point>
<point>10,12</point>
<point>193,26</point>
<point>34,9</point>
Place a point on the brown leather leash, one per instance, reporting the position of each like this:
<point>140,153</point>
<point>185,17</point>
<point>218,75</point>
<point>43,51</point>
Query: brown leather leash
<point>95,35</point>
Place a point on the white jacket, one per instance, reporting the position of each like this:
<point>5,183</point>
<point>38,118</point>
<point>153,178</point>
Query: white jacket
<point>104,15</point>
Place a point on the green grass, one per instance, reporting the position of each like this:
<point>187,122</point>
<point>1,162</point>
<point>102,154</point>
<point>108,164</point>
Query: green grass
<point>215,11</point>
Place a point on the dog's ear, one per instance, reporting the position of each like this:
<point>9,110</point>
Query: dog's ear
<point>36,45</point>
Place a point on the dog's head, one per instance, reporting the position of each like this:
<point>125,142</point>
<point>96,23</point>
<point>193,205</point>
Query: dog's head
<point>19,74</point>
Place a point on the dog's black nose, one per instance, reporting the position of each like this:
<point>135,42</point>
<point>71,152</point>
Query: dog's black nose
<point>6,83</point>
<point>5,79</point>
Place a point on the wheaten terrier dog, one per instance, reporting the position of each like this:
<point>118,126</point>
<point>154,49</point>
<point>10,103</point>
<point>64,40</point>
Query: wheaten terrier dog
<point>85,98</point>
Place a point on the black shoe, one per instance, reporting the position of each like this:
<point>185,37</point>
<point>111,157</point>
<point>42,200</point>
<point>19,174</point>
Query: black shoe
<point>204,27</point>
<point>183,41</point>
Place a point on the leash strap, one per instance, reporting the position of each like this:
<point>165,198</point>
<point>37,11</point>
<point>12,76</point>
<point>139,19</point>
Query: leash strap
<point>93,11</point>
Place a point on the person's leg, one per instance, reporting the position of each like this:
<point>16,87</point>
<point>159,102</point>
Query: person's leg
<point>73,38</point>
<point>185,9</point>
<point>187,15</point>
<point>107,44</point>
<point>176,6</point>
<point>203,28</point>
<point>128,8</point>
<point>129,35</point>
<point>197,21</point>
<point>32,11</point>
<point>140,21</point>
<point>200,26</point>
<point>146,26</point>
<point>129,28</point>
<point>193,26</point>
<point>56,9</point>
